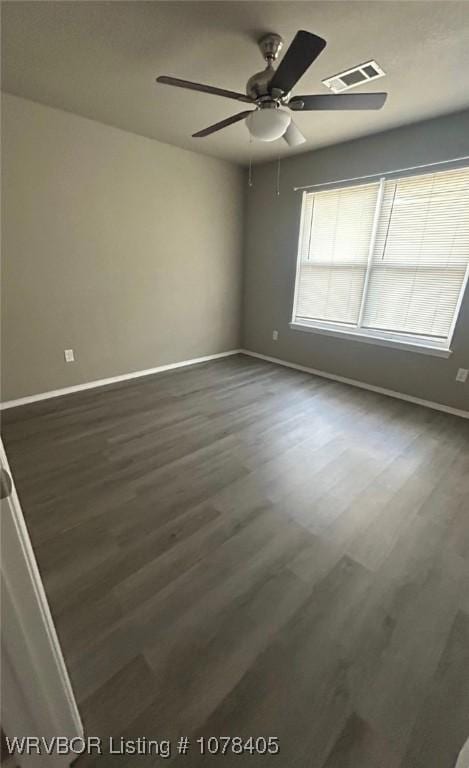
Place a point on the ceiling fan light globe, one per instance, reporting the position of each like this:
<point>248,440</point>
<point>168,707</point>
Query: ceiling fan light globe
<point>268,124</point>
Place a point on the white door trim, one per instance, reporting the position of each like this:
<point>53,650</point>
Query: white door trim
<point>463,759</point>
<point>37,691</point>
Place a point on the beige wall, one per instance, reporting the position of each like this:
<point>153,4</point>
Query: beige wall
<point>271,240</point>
<point>120,247</point>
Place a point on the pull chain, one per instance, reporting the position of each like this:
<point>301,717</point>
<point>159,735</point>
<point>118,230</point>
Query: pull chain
<point>278,177</point>
<point>250,184</point>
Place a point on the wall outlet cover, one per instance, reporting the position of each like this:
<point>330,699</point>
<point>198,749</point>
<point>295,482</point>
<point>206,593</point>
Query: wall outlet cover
<point>275,335</point>
<point>462,374</point>
<point>69,355</point>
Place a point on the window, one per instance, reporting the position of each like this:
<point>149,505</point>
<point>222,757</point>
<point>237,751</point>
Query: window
<point>386,260</point>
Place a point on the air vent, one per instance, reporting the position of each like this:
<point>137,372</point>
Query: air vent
<point>363,73</point>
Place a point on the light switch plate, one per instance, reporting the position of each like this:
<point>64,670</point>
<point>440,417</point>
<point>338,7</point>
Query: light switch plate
<point>69,355</point>
<point>462,374</point>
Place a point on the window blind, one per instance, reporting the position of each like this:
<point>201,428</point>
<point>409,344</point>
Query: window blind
<point>334,250</point>
<point>420,255</point>
<point>388,257</point>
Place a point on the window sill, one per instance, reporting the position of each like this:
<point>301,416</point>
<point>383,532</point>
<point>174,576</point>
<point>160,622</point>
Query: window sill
<point>382,341</point>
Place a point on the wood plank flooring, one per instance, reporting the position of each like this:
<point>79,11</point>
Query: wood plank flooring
<point>241,549</point>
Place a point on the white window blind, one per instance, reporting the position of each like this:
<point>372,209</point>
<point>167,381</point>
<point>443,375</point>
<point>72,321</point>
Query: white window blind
<point>388,258</point>
<point>334,248</point>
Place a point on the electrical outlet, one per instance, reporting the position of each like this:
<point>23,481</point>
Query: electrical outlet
<point>462,374</point>
<point>275,335</point>
<point>69,355</point>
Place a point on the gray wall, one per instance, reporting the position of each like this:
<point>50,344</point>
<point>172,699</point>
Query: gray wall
<point>129,251</point>
<point>271,238</point>
<point>125,249</point>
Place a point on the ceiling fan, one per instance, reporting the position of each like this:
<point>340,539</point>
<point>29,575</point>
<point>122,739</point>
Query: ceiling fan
<point>269,91</point>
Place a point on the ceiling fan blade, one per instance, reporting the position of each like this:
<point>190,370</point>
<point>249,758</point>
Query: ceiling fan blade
<point>293,135</point>
<point>338,101</point>
<point>304,49</point>
<point>221,124</point>
<point>166,80</point>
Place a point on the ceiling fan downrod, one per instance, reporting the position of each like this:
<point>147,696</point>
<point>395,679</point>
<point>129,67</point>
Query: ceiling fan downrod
<point>257,87</point>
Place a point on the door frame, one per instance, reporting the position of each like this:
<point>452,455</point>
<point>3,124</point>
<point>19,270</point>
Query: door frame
<point>37,697</point>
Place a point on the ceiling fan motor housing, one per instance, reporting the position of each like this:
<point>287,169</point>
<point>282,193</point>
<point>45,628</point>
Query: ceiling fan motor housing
<point>258,85</point>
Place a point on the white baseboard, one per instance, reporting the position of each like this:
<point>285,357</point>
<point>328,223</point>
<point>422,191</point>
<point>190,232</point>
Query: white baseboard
<point>361,385</point>
<point>206,358</point>
<point>112,380</point>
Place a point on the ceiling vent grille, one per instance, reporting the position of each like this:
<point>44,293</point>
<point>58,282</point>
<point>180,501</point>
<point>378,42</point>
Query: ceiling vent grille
<point>350,78</point>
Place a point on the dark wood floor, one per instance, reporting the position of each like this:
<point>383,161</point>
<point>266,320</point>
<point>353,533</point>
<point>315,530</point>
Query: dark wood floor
<point>241,549</point>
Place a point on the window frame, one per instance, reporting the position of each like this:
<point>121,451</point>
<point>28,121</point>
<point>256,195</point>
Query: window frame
<point>411,342</point>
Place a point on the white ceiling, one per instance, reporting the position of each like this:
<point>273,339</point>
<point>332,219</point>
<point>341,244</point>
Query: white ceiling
<point>100,60</point>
